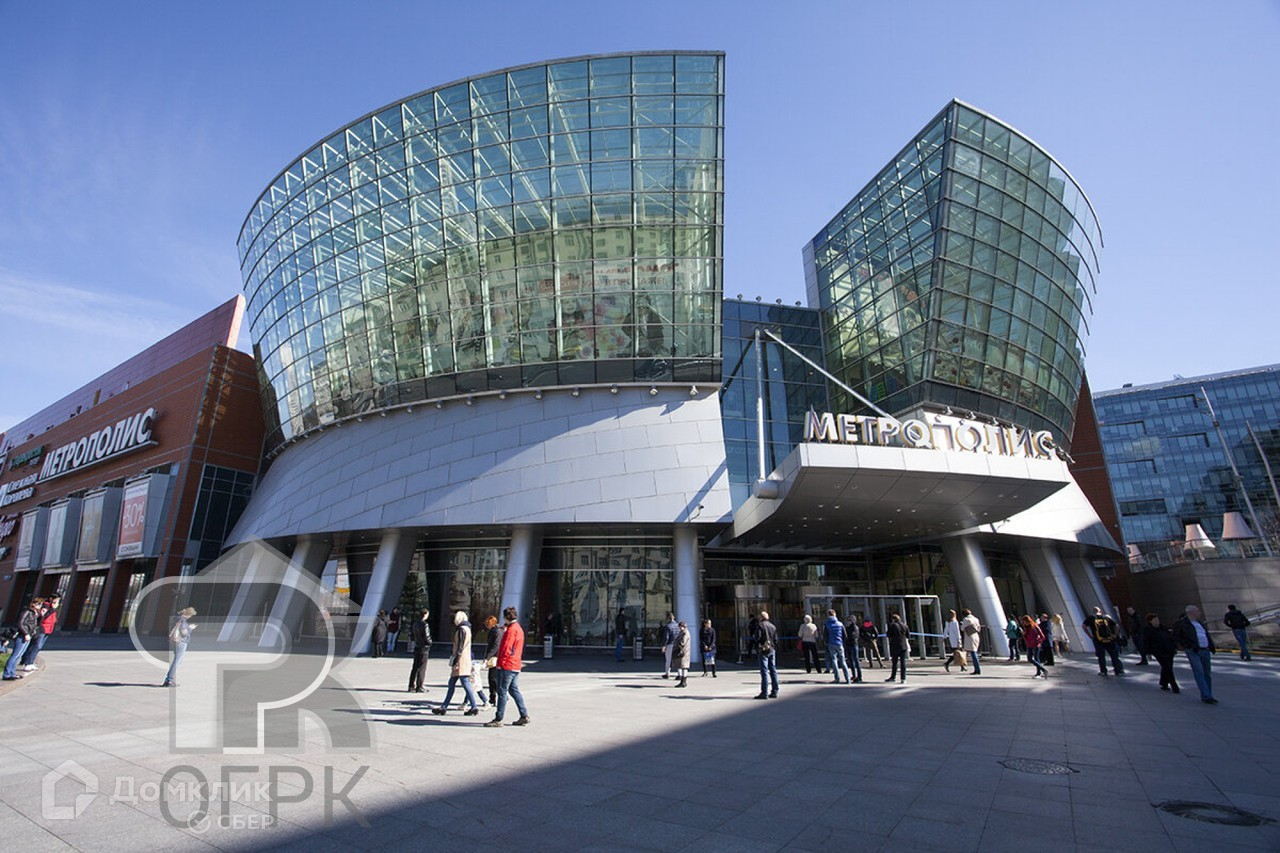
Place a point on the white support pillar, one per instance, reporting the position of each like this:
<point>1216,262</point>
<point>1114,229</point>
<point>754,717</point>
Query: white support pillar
<point>1088,587</point>
<point>521,583</point>
<point>973,579</point>
<point>684,584</point>
<point>390,567</point>
<point>1053,587</point>
<point>252,597</point>
<point>291,606</point>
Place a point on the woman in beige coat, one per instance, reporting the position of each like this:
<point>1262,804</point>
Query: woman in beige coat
<point>460,665</point>
<point>681,653</point>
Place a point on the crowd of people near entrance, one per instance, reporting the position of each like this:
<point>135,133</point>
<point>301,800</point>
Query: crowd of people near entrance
<point>840,648</point>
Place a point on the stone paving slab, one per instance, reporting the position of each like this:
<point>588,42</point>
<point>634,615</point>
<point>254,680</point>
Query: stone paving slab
<point>619,759</point>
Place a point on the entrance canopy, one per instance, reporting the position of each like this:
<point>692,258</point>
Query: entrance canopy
<point>845,497</point>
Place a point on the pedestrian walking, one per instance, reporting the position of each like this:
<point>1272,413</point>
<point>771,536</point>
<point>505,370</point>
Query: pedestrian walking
<point>1034,638</point>
<point>1238,622</point>
<point>851,651</point>
<point>460,666</point>
<point>766,644</point>
<point>833,635</point>
<point>1192,637</point>
<point>899,647</point>
<point>494,639</point>
<point>393,630</point>
<point>28,626</point>
<point>180,629</point>
<point>48,623</point>
<point>971,639</point>
<point>1046,648</point>
<point>1137,628</point>
<point>379,638</point>
<point>681,652</point>
<point>1162,647</point>
<point>951,632</point>
<point>669,632</point>
<point>809,644</point>
<point>869,639</point>
<point>1014,632</point>
<point>620,632</point>
<point>707,641</point>
<point>510,660</point>
<point>420,634</point>
<point>1061,643</point>
<point>1104,632</point>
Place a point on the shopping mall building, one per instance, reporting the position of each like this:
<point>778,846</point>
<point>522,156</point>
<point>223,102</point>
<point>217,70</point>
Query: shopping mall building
<point>498,367</point>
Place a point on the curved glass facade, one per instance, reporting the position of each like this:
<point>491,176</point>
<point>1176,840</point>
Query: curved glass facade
<point>961,276</point>
<point>554,224</point>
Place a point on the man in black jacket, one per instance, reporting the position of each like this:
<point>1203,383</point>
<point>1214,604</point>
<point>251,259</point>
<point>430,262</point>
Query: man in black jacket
<point>28,625</point>
<point>1193,638</point>
<point>766,638</point>
<point>420,633</point>
<point>1237,622</point>
<point>1102,629</point>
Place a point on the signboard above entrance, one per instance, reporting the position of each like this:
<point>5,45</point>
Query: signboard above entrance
<point>939,432</point>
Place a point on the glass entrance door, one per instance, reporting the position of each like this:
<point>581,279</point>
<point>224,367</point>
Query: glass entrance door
<point>92,601</point>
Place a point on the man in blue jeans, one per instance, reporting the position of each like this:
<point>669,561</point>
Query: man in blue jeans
<point>510,660</point>
<point>835,648</point>
<point>620,628</point>
<point>766,642</point>
<point>1192,637</point>
<point>1238,622</point>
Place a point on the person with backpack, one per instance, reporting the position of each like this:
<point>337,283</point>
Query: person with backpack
<point>1104,632</point>
<point>1237,622</point>
<point>766,638</point>
<point>1014,632</point>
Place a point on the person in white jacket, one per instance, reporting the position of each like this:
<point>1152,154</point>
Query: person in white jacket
<point>955,652</point>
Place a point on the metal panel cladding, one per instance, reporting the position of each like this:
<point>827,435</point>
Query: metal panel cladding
<point>552,224</point>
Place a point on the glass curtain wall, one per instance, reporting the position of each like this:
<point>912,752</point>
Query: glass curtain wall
<point>581,588</point>
<point>548,225</point>
<point>962,276</point>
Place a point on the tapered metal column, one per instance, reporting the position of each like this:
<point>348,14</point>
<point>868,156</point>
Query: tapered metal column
<point>1088,587</point>
<point>684,584</point>
<point>251,601</point>
<point>306,566</point>
<point>973,579</point>
<point>523,557</point>
<point>390,567</point>
<point>1053,587</point>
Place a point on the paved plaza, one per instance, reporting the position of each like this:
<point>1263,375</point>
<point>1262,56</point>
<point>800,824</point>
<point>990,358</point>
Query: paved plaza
<point>618,759</point>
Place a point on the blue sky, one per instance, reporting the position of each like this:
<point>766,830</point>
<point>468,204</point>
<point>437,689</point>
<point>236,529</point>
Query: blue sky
<point>135,136</point>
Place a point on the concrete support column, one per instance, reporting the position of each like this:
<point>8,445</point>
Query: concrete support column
<point>973,579</point>
<point>390,567</point>
<point>253,596</point>
<point>1053,587</point>
<point>292,605</point>
<point>1088,587</point>
<point>524,555</point>
<point>685,586</point>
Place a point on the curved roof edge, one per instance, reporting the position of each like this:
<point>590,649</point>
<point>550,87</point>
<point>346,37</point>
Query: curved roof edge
<point>456,82</point>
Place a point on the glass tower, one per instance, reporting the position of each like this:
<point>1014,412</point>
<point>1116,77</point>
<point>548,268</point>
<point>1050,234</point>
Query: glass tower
<point>553,224</point>
<point>1168,467</point>
<point>961,277</point>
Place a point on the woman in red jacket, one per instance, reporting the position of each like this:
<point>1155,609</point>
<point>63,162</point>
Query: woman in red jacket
<point>1033,637</point>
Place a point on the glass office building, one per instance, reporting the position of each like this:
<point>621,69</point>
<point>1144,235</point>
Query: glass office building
<point>498,367</point>
<point>961,276</point>
<point>553,224</point>
<point>1168,466</point>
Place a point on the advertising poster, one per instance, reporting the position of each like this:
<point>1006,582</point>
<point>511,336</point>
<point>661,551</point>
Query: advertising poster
<point>53,538</point>
<point>90,529</point>
<point>133,520</point>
